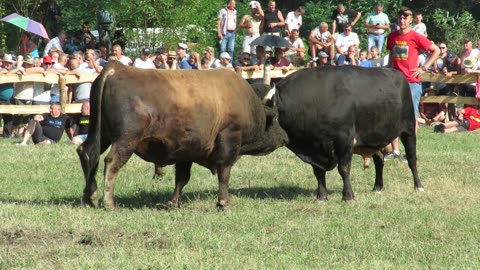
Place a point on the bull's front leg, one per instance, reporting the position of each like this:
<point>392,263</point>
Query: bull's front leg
<point>320,174</point>
<point>223,180</point>
<point>182,176</point>
<point>379,163</point>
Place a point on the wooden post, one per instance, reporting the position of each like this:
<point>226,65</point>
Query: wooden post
<point>62,83</point>
<point>267,74</point>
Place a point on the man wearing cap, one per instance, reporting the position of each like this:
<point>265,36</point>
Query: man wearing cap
<point>144,61</point>
<point>225,61</point>
<point>171,62</point>
<point>6,93</point>
<point>251,25</point>
<point>159,51</point>
<point>323,60</point>
<point>182,56</point>
<point>227,27</point>
<point>404,46</point>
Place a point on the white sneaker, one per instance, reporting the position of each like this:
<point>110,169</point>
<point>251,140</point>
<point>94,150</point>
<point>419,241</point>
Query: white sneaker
<point>21,144</point>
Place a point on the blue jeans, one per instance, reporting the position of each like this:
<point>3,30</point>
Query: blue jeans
<point>376,40</point>
<point>416,90</point>
<point>228,43</point>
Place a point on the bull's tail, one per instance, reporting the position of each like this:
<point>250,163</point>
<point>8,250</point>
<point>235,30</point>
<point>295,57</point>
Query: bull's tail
<point>89,152</point>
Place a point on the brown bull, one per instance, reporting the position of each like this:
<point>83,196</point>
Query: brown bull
<point>174,117</point>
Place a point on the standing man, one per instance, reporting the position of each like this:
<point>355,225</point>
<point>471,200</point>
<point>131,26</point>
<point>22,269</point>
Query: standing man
<point>227,27</point>
<point>404,46</point>
<point>377,23</point>
<point>341,17</point>
<point>273,20</point>
<point>251,25</point>
<point>419,26</point>
<point>118,54</point>
<point>294,20</point>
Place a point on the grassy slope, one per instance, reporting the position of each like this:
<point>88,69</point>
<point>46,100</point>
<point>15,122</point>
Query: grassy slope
<point>274,222</point>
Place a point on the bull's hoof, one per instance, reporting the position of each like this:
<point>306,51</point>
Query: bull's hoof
<point>420,189</point>
<point>322,199</point>
<point>173,204</point>
<point>348,198</point>
<point>91,200</point>
<point>378,189</point>
<point>109,205</point>
<point>222,205</point>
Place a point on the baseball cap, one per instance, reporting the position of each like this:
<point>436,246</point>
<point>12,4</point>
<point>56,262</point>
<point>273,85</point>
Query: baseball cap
<point>146,51</point>
<point>252,4</point>
<point>47,59</point>
<point>160,50</point>
<point>225,55</point>
<point>183,46</point>
<point>450,56</point>
<point>322,54</point>
<point>268,49</point>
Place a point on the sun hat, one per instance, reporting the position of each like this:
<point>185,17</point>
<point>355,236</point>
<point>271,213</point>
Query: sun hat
<point>8,58</point>
<point>172,54</point>
<point>29,60</point>
<point>470,62</point>
<point>252,4</point>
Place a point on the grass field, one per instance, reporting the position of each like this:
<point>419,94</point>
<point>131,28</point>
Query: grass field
<point>273,222</point>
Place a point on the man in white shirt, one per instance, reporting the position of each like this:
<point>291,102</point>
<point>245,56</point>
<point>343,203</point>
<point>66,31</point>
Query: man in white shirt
<point>294,20</point>
<point>55,43</point>
<point>118,53</point>
<point>144,61</point>
<point>345,40</point>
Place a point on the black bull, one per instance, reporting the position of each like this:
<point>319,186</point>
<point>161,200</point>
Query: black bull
<point>333,112</point>
<point>174,117</point>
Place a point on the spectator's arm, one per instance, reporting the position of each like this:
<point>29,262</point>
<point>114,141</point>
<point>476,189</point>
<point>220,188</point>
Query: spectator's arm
<point>356,18</point>
<point>334,26</point>
<point>38,118</point>
<point>281,20</point>
<point>260,11</point>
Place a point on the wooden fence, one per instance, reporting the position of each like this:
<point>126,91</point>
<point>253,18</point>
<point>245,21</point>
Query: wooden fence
<point>63,81</point>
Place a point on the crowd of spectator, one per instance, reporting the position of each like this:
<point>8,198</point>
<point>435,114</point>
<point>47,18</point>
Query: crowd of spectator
<point>81,53</point>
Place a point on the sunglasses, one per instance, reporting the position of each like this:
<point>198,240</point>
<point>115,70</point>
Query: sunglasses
<point>347,30</point>
<point>48,64</point>
<point>246,58</point>
<point>442,48</point>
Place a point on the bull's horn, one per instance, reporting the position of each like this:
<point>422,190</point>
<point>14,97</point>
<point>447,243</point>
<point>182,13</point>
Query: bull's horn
<point>270,93</point>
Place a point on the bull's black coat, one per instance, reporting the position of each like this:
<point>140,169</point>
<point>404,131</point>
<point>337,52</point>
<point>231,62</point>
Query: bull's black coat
<point>323,110</point>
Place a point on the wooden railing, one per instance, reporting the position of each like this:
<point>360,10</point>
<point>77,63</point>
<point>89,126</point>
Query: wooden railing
<point>63,81</point>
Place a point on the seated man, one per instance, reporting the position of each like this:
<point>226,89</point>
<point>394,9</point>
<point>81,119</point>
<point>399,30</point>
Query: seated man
<point>280,62</point>
<point>47,128</point>
<point>468,119</point>
<point>79,131</point>
<point>350,58</point>
<point>244,63</point>
<point>431,112</point>
<point>320,39</point>
<point>296,53</point>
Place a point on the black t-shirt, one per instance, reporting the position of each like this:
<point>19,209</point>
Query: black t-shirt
<point>342,19</point>
<point>53,127</point>
<point>82,122</point>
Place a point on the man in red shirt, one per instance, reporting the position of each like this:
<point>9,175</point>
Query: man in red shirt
<point>404,46</point>
<point>468,119</point>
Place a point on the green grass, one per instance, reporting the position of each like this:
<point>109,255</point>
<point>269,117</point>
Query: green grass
<point>274,221</point>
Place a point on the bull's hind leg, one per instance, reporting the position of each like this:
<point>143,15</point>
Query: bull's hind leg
<point>89,160</point>
<point>182,176</point>
<point>116,158</point>
<point>223,181</point>
<point>410,143</point>
<point>378,161</point>
<point>344,153</point>
<point>322,184</point>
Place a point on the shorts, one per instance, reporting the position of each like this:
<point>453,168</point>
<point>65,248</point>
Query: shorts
<point>463,125</point>
<point>81,137</point>
<point>416,90</point>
